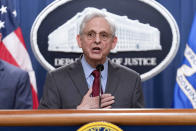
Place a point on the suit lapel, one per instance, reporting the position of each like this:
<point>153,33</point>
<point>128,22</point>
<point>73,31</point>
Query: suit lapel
<point>113,78</point>
<point>77,75</point>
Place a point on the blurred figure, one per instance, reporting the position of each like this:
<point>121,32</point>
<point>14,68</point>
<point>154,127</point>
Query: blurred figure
<point>15,91</point>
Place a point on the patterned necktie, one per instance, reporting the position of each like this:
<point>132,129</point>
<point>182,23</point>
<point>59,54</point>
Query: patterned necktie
<point>96,83</point>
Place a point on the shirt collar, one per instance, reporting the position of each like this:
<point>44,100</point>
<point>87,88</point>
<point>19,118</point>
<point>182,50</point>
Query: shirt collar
<point>88,69</point>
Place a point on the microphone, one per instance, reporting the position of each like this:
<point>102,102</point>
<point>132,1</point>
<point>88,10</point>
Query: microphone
<point>100,68</point>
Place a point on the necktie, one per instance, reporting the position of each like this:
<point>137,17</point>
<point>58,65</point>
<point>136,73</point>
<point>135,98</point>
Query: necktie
<point>96,83</point>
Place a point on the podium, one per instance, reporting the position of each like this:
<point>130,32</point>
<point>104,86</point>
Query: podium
<point>126,119</point>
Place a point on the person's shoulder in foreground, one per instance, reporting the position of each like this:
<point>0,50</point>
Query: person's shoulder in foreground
<point>15,91</point>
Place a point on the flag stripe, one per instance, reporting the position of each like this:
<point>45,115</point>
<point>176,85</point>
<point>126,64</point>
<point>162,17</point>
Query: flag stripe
<point>17,50</point>
<point>32,79</point>
<point>18,33</point>
<point>5,55</point>
<point>35,98</point>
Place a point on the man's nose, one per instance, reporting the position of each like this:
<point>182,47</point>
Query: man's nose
<point>97,39</point>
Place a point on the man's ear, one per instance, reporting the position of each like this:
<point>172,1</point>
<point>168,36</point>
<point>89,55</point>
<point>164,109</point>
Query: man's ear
<point>78,38</point>
<point>115,39</point>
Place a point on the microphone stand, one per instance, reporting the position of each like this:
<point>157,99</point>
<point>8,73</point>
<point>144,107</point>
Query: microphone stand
<point>100,68</point>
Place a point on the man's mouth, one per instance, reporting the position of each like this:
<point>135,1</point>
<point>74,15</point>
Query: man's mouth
<point>96,49</point>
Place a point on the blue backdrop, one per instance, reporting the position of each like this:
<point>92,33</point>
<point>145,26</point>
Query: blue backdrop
<point>158,91</point>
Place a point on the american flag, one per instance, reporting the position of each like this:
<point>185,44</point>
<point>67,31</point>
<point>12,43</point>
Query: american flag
<point>12,45</point>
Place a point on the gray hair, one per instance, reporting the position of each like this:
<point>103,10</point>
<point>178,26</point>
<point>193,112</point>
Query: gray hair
<point>95,14</point>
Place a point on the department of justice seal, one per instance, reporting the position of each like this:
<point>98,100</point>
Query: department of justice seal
<point>99,126</point>
<point>148,35</point>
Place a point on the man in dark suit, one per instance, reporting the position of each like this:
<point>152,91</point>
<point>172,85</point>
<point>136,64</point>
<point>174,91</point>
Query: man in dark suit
<point>71,86</point>
<point>15,92</point>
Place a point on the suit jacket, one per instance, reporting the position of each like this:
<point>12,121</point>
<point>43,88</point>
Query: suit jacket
<point>65,87</point>
<point>15,91</point>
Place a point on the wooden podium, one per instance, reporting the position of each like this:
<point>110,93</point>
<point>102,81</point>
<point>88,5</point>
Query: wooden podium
<point>121,117</point>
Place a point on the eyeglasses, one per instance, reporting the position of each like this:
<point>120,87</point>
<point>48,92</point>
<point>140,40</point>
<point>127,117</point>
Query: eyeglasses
<point>103,36</point>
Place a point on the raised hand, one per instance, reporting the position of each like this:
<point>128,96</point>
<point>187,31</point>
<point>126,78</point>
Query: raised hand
<point>89,102</point>
<point>106,101</point>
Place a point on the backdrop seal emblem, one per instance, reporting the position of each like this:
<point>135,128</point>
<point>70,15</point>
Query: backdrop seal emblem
<point>99,126</point>
<point>148,35</point>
